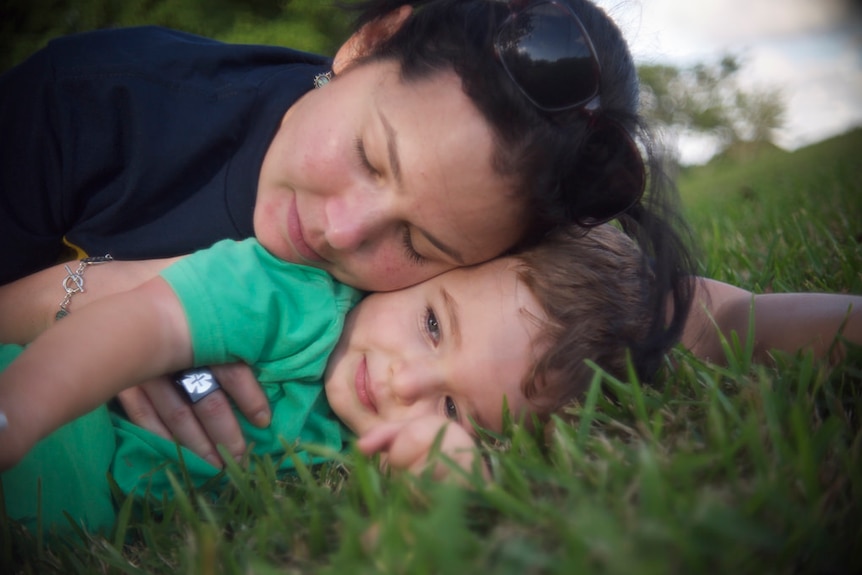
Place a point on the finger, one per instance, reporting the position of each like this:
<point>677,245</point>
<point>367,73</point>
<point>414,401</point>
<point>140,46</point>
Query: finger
<point>412,445</point>
<point>140,411</point>
<point>215,414</point>
<point>378,438</point>
<point>406,444</point>
<point>177,415</point>
<point>242,386</point>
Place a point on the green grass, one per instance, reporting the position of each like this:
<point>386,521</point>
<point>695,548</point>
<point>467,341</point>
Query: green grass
<point>312,25</point>
<point>742,469</point>
<point>784,221</point>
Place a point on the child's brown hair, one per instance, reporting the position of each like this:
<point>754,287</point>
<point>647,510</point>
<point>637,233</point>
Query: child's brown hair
<point>594,285</point>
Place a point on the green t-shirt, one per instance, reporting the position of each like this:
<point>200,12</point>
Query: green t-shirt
<point>242,304</point>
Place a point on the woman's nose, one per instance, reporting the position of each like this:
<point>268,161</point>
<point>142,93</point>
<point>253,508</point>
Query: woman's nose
<point>355,219</point>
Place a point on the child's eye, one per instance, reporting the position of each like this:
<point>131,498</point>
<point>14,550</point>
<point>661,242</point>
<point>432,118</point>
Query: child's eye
<point>432,326</point>
<point>451,409</point>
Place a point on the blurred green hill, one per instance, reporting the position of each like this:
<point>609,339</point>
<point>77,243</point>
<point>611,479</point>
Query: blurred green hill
<point>773,220</point>
<point>312,25</point>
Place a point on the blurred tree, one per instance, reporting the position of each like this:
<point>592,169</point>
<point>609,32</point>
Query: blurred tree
<point>762,112</point>
<point>312,25</point>
<point>707,99</point>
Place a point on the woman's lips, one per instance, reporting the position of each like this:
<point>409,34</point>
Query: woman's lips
<point>294,232</point>
<point>363,390</point>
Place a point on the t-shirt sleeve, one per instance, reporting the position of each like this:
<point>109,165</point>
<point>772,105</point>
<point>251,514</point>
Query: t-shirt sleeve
<point>243,304</point>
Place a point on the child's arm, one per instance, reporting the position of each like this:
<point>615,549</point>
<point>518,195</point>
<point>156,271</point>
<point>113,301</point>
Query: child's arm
<point>28,307</point>
<point>406,445</point>
<point>782,321</point>
<point>86,358</point>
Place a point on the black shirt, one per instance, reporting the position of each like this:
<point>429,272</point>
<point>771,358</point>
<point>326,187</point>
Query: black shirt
<point>138,142</point>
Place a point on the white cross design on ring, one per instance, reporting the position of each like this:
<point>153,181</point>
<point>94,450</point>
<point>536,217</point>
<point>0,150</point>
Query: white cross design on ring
<point>197,382</point>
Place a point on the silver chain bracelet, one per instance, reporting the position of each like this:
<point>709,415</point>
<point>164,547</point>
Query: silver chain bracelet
<point>74,281</point>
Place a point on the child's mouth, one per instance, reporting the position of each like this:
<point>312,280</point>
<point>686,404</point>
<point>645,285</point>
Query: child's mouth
<point>363,392</point>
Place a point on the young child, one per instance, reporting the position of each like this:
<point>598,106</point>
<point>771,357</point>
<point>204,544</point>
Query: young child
<point>404,365</point>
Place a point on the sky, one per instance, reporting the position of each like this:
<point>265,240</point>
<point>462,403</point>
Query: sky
<point>810,49</point>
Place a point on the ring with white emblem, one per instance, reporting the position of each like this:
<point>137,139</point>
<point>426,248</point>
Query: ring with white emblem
<point>196,383</point>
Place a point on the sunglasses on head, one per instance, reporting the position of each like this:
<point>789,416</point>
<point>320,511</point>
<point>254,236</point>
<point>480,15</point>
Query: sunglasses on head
<point>546,51</point>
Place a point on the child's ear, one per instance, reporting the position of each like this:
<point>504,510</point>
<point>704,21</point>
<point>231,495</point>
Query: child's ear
<point>362,42</point>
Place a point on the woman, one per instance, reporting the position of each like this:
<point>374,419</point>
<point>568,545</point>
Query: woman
<point>451,132</point>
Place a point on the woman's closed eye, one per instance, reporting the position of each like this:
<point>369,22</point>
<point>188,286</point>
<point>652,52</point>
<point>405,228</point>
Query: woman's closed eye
<point>409,251</point>
<point>406,238</point>
<point>359,146</point>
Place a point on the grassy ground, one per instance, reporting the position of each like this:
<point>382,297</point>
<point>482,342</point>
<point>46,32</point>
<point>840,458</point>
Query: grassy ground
<point>742,469</point>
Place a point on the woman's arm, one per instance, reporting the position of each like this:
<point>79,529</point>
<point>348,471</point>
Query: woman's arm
<point>782,321</point>
<point>89,356</point>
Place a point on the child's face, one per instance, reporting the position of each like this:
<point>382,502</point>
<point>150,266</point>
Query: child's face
<point>454,345</point>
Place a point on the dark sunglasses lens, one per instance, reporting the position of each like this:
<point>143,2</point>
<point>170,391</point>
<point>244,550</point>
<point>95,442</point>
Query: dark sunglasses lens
<point>620,183</point>
<point>549,56</point>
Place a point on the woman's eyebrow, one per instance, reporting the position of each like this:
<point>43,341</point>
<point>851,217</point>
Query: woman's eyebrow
<point>392,148</point>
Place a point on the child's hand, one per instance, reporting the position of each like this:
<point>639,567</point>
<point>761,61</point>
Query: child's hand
<point>406,445</point>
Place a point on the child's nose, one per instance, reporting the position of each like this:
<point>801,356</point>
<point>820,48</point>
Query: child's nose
<point>413,381</point>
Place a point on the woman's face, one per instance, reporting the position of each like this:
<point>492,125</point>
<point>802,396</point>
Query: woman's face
<point>385,184</point>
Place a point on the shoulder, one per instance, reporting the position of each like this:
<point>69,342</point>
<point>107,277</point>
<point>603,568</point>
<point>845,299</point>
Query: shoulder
<point>121,44</point>
<point>716,305</point>
<point>172,54</point>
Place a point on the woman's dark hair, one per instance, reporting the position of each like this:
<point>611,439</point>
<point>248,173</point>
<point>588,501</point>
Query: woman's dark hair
<point>559,160</point>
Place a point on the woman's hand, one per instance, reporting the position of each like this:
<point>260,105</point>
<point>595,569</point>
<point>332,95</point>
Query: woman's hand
<point>406,445</point>
<point>159,407</point>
